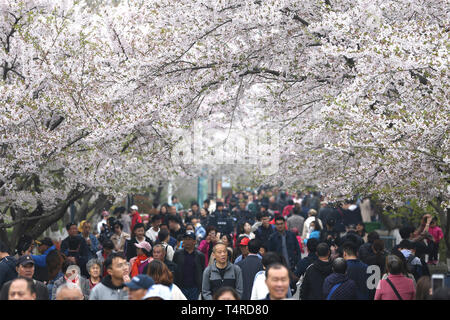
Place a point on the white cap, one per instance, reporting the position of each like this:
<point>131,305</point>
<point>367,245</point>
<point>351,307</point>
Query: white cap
<point>134,207</point>
<point>160,291</point>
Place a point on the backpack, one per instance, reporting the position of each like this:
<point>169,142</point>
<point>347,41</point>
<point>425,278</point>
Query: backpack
<point>415,270</point>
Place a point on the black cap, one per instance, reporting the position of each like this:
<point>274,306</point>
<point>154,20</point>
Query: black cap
<point>219,204</point>
<point>189,234</point>
<point>24,260</point>
<point>47,241</point>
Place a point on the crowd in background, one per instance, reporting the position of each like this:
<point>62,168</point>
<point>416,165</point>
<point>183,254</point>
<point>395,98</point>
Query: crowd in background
<point>266,244</point>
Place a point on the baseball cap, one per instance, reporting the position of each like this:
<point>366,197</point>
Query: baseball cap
<point>141,281</point>
<point>144,245</point>
<point>189,234</point>
<point>46,241</point>
<point>244,241</point>
<point>24,260</point>
<point>134,207</point>
<point>219,204</point>
<point>160,291</point>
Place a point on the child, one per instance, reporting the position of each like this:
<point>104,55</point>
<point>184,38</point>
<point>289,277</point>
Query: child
<point>437,234</point>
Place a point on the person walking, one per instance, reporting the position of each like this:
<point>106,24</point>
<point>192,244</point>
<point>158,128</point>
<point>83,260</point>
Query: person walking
<point>338,286</point>
<point>221,273</point>
<point>396,286</point>
<point>250,266</point>
<point>190,265</point>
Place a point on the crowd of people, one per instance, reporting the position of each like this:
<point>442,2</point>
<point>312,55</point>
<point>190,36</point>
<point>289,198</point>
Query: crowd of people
<point>262,245</point>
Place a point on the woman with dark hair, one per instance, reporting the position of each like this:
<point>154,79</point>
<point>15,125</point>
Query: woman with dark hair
<point>228,241</point>
<point>379,256</point>
<point>396,286</point>
<point>405,272</point>
<point>159,272</point>
<point>226,293</point>
<point>423,289</point>
<point>206,246</point>
<point>361,231</point>
<point>138,236</point>
<point>119,238</point>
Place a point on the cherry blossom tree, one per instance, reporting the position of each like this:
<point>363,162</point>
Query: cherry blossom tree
<point>97,95</point>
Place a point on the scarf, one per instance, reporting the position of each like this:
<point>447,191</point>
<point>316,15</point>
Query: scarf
<point>135,268</point>
<point>73,280</point>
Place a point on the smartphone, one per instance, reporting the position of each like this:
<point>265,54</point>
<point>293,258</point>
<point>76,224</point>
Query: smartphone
<point>437,281</point>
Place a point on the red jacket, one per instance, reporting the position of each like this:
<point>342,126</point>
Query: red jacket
<point>135,218</point>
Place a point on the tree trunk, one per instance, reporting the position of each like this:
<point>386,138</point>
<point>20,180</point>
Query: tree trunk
<point>36,222</point>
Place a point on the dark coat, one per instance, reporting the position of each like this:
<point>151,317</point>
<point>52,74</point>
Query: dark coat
<point>352,217</point>
<point>41,290</point>
<point>346,291</point>
<point>293,248</point>
<point>357,271</point>
<point>263,234</point>
<point>7,269</point>
<point>312,285</point>
<point>250,266</point>
<point>78,248</point>
<point>304,263</point>
<point>178,259</point>
<point>130,248</point>
<point>222,221</point>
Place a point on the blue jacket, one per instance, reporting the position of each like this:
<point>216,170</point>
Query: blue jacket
<point>94,247</point>
<point>293,248</point>
<point>346,291</point>
<point>357,271</point>
<point>40,260</point>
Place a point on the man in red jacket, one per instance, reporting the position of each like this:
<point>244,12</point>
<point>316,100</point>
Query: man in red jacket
<point>135,216</point>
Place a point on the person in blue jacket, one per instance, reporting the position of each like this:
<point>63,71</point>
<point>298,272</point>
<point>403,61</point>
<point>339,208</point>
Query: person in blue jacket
<point>45,246</point>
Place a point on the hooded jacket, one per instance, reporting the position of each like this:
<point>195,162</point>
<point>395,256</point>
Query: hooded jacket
<point>107,291</point>
<point>212,280</point>
<point>312,285</point>
<point>346,290</point>
<point>7,269</point>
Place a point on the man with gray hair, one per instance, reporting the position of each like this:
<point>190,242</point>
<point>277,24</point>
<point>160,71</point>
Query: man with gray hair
<point>338,286</point>
<point>69,291</point>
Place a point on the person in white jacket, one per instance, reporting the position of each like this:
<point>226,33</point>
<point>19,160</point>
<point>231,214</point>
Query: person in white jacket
<point>260,290</point>
<point>312,215</point>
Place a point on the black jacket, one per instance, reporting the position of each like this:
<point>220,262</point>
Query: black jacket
<point>78,248</point>
<point>41,290</point>
<point>293,248</point>
<point>312,285</point>
<point>130,248</point>
<point>263,234</point>
<point>243,216</point>
<point>222,221</point>
<point>304,263</point>
<point>250,266</point>
<point>7,269</point>
<point>178,259</point>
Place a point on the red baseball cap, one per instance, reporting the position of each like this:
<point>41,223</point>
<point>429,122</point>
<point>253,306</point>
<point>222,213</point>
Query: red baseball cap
<point>244,241</point>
